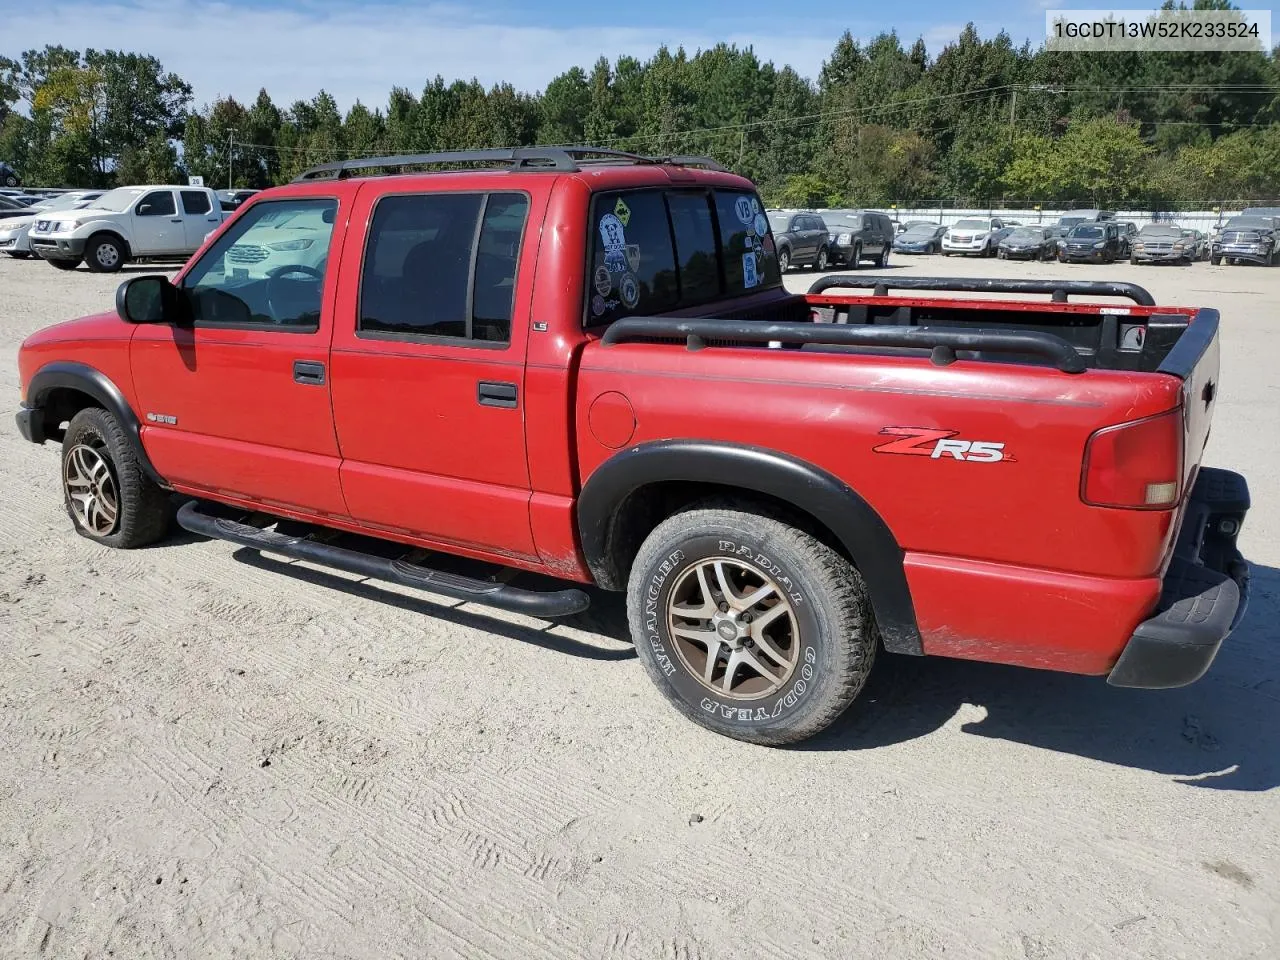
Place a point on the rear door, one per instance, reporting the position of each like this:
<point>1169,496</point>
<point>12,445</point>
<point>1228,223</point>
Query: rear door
<point>239,403</point>
<point>428,364</point>
<point>198,217</point>
<point>157,228</point>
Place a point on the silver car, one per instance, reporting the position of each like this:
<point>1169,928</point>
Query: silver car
<point>15,234</point>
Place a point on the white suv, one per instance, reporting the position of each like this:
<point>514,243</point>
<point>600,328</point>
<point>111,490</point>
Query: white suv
<point>128,223</point>
<point>971,236</point>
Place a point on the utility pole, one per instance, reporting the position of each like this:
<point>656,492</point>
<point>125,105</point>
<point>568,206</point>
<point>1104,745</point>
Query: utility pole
<point>231,152</point>
<point>1013,109</point>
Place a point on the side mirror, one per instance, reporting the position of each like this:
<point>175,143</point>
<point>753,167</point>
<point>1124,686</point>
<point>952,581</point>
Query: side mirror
<point>152,300</point>
<point>144,209</point>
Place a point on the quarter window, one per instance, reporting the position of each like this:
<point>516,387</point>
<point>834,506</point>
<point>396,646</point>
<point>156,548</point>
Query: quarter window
<point>157,203</point>
<point>268,269</point>
<point>442,265</point>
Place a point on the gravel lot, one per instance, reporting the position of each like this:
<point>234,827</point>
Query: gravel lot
<point>208,753</point>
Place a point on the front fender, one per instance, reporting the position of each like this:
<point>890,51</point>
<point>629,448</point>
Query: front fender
<point>833,503</point>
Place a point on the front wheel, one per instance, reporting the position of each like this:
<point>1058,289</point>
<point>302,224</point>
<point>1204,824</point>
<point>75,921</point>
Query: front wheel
<point>1215,260</point>
<point>883,261</point>
<point>108,497</point>
<point>823,260</point>
<point>750,627</point>
<point>784,260</point>
<point>19,254</point>
<point>104,254</point>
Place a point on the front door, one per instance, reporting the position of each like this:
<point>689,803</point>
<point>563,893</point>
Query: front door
<point>238,402</point>
<point>157,227</point>
<point>428,366</point>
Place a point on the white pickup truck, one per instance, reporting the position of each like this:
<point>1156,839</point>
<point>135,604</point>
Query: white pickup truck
<point>128,223</point>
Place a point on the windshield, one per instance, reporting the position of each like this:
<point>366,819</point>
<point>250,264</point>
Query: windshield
<point>69,201</point>
<point>1086,233</point>
<point>921,230</point>
<point>1027,234</point>
<point>972,225</point>
<point>1162,232</point>
<point>1250,223</point>
<point>1070,221</point>
<point>118,200</point>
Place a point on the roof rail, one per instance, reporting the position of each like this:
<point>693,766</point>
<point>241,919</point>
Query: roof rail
<point>552,159</point>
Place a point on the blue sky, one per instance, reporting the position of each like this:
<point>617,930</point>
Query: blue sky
<point>360,50</point>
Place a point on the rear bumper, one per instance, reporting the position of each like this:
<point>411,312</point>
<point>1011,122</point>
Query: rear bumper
<point>1205,591</point>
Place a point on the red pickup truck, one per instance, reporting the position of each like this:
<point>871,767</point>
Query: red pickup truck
<point>583,364</point>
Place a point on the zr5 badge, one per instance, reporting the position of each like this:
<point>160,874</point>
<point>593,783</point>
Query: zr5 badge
<point>936,444</point>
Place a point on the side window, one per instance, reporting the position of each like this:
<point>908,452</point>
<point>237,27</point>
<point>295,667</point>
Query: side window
<point>633,264</point>
<point>268,269</point>
<point>697,267</point>
<point>157,203</point>
<point>442,265</point>
<point>195,202</point>
<point>867,223</point>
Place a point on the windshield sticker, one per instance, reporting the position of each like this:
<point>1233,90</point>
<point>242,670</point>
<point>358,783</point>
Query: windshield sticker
<point>629,290</point>
<point>603,282</point>
<point>614,237</point>
<point>749,277</point>
<point>762,224</point>
<point>742,207</point>
<point>633,257</point>
<point>622,212</point>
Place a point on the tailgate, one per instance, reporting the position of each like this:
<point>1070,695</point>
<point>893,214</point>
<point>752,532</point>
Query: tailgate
<point>1194,360</point>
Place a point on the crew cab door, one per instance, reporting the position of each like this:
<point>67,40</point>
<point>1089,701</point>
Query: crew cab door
<point>157,229</point>
<point>199,216</point>
<point>237,403</point>
<point>428,363</point>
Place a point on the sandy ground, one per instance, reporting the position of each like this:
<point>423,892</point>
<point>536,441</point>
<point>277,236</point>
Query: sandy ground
<point>207,753</point>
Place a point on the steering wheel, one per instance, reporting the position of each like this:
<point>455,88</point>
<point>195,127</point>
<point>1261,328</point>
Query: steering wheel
<point>278,288</point>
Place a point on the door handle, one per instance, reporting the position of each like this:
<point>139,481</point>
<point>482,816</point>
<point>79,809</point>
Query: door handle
<point>494,394</point>
<point>176,220</point>
<point>309,372</point>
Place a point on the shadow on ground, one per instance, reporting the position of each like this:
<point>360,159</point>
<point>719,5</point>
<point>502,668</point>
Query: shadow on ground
<point>1219,733</point>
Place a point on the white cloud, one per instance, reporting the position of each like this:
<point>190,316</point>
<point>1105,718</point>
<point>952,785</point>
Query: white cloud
<point>360,52</point>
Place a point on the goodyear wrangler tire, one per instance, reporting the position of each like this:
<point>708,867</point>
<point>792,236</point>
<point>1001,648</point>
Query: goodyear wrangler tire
<point>750,627</point>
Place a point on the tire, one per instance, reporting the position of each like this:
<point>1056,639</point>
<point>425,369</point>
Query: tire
<point>1001,255</point>
<point>1215,260</point>
<point>855,261</point>
<point>19,254</point>
<point>823,261</point>
<point>63,264</point>
<point>1133,261</point>
<point>10,180</point>
<point>883,261</point>
<point>104,253</point>
<point>826,635</point>
<point>99,469</point>
<point>784,260</point>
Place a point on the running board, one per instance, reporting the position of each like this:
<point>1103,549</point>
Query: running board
<point>551,603</point>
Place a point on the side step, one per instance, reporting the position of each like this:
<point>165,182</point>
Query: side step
<point>551,603</point>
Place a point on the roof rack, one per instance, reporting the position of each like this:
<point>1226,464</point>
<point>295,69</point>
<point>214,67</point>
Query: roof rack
<point>551,159</point>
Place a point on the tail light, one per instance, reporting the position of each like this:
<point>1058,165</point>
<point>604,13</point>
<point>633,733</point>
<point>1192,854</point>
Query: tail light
<point>1136,465</point>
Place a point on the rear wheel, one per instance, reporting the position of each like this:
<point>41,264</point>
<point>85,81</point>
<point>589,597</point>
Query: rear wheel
<point>883,260</point>
<point>10,180</point>
<point>750,627</point>
<point>784,260</point>
<point>823,259</point>
<point>855,261</point>
<point>108,497</point>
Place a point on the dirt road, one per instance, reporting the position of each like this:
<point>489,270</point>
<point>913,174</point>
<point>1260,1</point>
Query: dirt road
<point>208,753</point>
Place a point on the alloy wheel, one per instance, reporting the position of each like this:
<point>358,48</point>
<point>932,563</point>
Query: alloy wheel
<point>91,489</point>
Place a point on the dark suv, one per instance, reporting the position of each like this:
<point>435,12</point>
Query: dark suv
<point>858,235</point>
<point>1098,242</point>
<point>8,175</point>
<point>801,238</point>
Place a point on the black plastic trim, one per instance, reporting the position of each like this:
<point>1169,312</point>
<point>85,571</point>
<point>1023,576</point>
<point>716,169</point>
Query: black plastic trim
<point>811,489</point>
<point>549,159</point>
<point>1059,289</point>
<point>95,383</point>
<point>551,603</point>
<point>944,342</point>
<point>1185,356</point>
<point>30,424</point>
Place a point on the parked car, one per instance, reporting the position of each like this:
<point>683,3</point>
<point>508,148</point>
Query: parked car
<point>1251,239</point>
<point>15,234</point>
<point>972,236</point>
<point>802,238</point>
<point>1092,242</point>
<point>920,237</point>
<point>1077,217</point>
<point>1199,244</point>
<point>8,176</point>
<point>12,207</point>
<point>1027,243</point>
<point>129,223</point>
<point>1128,232</point>
<point>1273,212</point>
<point>1162,242</point>
<point>516,387</point>
<point>857,235</point>
<point>231,200</point>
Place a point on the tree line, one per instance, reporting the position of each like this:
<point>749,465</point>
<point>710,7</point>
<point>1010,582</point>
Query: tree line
<point>984,121</point>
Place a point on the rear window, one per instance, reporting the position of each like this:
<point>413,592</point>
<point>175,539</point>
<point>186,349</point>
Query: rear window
<point>655,251</point>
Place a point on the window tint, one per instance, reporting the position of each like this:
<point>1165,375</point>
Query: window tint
<point>157,203</point>
<point>697,266</point>
<point>633,267</point>
<point>428,271</point>
<point>195,201</point>
<point>268,269</point>
<point>739,240</point>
